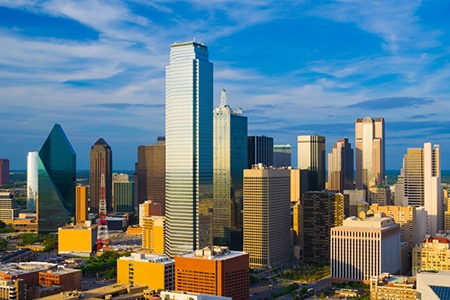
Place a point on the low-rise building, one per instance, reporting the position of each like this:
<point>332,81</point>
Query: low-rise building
<point>77,239</point>
<point>12,289</point>
<point>214,271</point>
<point>387,286</point>
<point>154,271</point>
<point>68,279</point>
<point>191,296</point>
<point>432,254</point>
<point>433,285</point>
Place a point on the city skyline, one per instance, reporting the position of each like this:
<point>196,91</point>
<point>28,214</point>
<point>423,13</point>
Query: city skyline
<point>97,69</point>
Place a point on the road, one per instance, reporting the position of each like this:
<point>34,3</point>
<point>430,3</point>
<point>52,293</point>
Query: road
<point>261,290</point>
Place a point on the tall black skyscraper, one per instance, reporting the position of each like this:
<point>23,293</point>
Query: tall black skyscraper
<point>260,150</point>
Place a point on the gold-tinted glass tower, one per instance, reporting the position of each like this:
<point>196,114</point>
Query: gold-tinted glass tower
<point>370,157</point>
<point>81,204</point>
<point>100,151</point>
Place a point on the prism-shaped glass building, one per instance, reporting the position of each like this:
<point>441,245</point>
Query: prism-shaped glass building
<point>56,182</point>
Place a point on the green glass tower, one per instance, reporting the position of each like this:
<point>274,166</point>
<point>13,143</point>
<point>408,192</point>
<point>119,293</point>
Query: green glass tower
<point>56,182</point>
<point>230,160</point>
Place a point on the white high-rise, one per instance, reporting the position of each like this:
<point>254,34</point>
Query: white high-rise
<point>422,183</point>
<point>189,148</point>
<point>32,180</point>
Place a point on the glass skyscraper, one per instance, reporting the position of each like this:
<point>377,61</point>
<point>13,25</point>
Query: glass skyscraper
<point>32,180</point>
<point>189,148</point>
<point>230,160</point>
<point>101,154</point>
<point>56,182</point>
<point>311,156</point>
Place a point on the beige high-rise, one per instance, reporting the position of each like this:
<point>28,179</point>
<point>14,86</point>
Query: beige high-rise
<point>410,219</point>
<point>267,217</point>
<point>422,183</point>
<point>340,166</point>
<point>370,157</point>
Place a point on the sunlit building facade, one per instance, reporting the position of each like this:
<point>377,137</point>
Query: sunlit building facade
<point>370,155</point>
<point>361,249</point>
<point>267,217</point>
<point>56,182</point>
<point>433,254</point>
<point>32,180</point>
<point>189,148</point>
<point>230,160</point>
<point>340,166</point>
<point>81,203</point>
<point>311,156</point>
<point>422,183</point>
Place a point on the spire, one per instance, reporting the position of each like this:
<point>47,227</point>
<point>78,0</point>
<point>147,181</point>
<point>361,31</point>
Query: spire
<point>223,98</point>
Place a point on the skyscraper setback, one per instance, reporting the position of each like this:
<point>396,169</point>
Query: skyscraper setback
<point>370,157</point>
<point>340,166</point>
<point>189,148</point>
<point>230,160</point>
<point>100,151</point>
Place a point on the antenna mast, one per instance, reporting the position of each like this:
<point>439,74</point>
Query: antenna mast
<point>102,233</point>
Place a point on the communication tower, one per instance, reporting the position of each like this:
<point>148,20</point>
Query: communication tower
<point>102,233</point>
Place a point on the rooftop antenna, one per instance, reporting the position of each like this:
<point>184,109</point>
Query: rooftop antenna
<point>223,98</point>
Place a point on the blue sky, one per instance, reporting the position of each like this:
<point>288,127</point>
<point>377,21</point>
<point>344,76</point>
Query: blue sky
<point>296,68</point>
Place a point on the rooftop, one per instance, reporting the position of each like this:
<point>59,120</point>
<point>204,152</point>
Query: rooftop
<point>214,253</point>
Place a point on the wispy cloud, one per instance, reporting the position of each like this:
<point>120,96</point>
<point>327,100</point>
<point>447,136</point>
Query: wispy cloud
<point>391,103</point>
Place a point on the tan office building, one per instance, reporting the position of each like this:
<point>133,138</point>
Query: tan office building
<point>267,217</point>
<point>379,194</point>
<point>422,183</point>
<point>340,166</point>
<point>410,219</point>
<point>370,157</point>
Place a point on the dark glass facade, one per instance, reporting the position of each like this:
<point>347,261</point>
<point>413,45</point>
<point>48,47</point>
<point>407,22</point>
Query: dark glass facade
<point>260,150</point>
<point>56,177</point>
<point>100,152</point>
<point>123,196</point>
<point>151,170</point>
